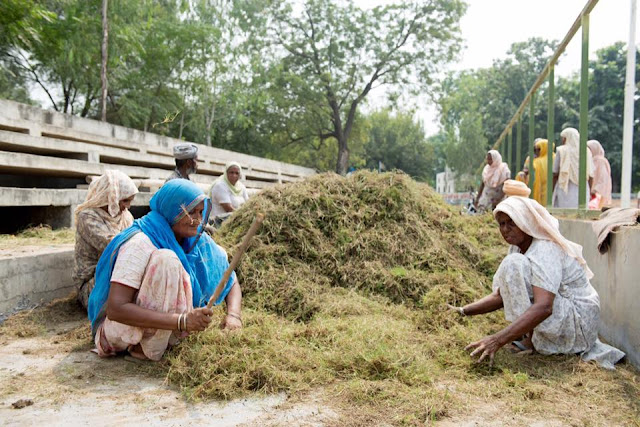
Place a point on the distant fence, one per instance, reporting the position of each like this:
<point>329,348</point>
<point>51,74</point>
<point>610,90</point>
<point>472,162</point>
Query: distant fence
<point>47,158</point>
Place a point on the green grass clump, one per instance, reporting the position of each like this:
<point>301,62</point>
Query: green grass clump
<point>345,290</point>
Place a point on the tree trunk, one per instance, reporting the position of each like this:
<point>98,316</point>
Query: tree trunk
<point>343,156</point>
<point>181,124</point>
<point>103,71</point>
<point>209,122</point>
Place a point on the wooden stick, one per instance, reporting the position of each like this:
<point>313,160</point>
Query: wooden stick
<point>236,257</point>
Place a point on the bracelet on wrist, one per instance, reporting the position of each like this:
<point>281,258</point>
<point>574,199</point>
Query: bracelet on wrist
<point>180,322</point>
<point>461,311</point>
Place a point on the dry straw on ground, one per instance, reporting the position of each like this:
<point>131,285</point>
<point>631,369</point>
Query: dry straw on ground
<point>345,288</point>
<point>37,235</point>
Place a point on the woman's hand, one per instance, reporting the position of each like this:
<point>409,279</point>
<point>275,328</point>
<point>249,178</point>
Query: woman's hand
<point>231,322</point>
<point>198,319</point>
<point>486,347</point>
<point>458,310</point>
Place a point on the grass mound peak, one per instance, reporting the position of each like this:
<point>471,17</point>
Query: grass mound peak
<point>382,234</point>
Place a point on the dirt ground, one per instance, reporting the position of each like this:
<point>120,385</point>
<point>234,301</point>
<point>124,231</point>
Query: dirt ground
<point>66,383</point>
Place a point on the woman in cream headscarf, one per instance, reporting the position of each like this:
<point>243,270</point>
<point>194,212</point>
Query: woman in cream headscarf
<point>104,213</point>
<point>565,170</point>
<point>227,193</point>
<point>540,171</point>
<point>601,173</point>
<point>494,174</point>
<point>543,286</point>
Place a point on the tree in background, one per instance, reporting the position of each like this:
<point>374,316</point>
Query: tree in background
<point>461,117</point>
<point>400,143</point>
<point>476,105</point>
<point>20,24</point>
<point>336,53</point>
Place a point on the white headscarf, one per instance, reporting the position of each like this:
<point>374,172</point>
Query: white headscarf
<point>570,159</point>
<point>497,172</point>
<point>533,219</point>
<point>108,190</point>
<point>602,171</point>
<point>239,186</point>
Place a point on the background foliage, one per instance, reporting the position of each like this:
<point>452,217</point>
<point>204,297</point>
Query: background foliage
<point>293,80</point>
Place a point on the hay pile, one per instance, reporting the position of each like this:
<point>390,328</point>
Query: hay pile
<point>345,288</point>
<point>383,235</point>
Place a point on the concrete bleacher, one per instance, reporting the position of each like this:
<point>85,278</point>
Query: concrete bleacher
<point>47,158</point>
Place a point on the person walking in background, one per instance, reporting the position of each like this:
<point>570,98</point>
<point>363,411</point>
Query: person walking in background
<point>601,174</point>
<point>540,171</point>
<point>494,174</point>
<point>186,156</point>
<point>104,214</point>
<point>228,193</point>
<point>566,167</point>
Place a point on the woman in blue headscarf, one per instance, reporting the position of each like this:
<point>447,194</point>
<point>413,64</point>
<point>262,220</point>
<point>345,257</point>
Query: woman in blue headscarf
<point>153,281</point>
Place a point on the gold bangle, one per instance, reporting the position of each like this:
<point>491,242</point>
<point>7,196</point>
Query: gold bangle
<point>179,326</point>
<point>185,322</point>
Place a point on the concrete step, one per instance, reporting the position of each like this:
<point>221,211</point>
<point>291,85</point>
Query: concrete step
<point>31,275</point>
<point>135,155</point>
<point>34,164</point>
<point>11,196</point>
<point>38,122</point>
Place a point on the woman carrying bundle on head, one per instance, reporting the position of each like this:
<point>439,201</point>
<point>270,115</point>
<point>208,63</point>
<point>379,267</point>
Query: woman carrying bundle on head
<point>543,286</point>
<point>154,279</point>
<point>494,174</point>
<point>228,193</point>
<point>104,213</point>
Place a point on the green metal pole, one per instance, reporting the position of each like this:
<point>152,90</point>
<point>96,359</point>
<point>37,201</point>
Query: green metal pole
<point>550,136</point>
<point>519,143</point>
<point>532,175</point>
<point>507,151</point>
<point>510,155</point>
<point>584,114</point>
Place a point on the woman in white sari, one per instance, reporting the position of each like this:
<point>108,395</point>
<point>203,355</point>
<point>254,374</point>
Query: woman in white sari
<point>543,286</point>
<point>494,174</point>
<point>566,168</point>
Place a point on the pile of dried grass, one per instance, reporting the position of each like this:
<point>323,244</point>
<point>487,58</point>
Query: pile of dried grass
<point>381,234</point>
<point>345,288</point>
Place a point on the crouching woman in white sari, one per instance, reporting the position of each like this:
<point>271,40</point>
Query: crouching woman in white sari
<point>543,286</point>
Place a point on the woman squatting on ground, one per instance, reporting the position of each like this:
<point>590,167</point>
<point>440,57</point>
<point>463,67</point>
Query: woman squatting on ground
<point>154,279</point>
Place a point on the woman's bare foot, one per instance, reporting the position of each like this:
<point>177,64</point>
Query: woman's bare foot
<point>136,352</point>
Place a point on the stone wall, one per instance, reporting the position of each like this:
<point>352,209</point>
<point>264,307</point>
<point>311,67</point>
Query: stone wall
<point>617,280</point>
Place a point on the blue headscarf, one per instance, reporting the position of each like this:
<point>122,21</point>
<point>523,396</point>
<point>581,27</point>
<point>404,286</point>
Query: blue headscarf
<point>201,257</point>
